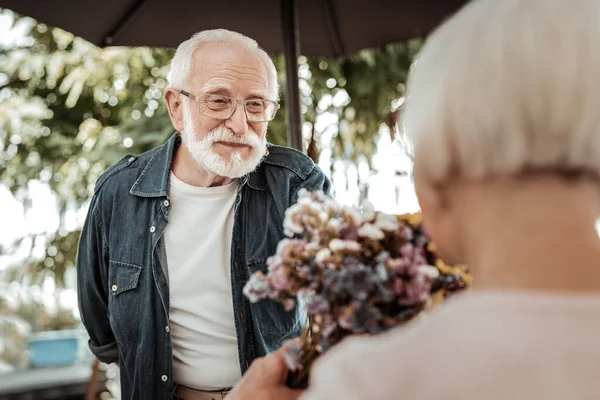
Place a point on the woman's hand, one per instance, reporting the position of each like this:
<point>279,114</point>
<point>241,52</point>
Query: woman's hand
<point>265,380</point>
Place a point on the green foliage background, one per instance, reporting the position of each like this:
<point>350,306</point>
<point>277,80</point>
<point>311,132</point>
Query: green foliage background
<point>69,109</point>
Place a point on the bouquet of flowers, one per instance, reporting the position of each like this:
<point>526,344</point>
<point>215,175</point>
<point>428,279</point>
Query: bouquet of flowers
<point>354,271</point>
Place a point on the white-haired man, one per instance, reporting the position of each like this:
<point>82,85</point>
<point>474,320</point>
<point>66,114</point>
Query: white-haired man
<point>502,110</point>
<point>173,234</point>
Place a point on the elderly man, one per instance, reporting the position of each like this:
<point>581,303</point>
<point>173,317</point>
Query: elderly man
<point>502,112</point>
<point>172,234</point>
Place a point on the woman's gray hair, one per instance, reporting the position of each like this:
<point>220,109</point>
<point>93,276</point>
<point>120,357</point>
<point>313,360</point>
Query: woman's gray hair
<point>507,86</point>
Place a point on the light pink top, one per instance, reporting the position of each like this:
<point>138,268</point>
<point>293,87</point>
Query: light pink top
<point>479,346</point>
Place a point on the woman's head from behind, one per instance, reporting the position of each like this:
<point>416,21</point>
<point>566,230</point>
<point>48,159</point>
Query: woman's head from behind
<point>504,92</point>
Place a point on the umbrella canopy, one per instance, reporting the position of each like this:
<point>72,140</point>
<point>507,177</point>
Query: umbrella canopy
<point>330,28</point>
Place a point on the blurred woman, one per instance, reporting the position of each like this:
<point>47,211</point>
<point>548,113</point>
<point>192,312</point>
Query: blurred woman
<point>503,115</point>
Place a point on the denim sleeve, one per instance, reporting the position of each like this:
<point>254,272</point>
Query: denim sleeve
<point>92,287</point>
<point>316,180</point>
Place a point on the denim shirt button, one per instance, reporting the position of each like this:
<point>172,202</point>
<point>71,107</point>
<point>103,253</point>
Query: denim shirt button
<point>167,329</point>
<point>114,288</point>
<point>164,378</point>
<point>152,229</point>
<point>166,203</point>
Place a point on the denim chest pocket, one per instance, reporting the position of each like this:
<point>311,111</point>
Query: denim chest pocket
<point>270,318</point>
<point>124,301</point>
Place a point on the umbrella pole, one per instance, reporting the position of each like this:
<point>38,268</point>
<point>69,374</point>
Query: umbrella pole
<point>291,52</point>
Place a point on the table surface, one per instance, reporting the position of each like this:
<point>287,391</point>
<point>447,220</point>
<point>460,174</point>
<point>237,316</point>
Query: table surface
<point>44,378</point>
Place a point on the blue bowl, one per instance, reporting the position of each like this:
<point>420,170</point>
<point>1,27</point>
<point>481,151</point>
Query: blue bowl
<point>53,349</point>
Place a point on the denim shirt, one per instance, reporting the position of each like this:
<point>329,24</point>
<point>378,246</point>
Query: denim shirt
<point>122,272</point>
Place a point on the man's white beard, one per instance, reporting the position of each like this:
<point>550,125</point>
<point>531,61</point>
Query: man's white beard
<point>233,166</point>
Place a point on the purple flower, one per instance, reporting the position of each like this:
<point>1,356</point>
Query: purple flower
<point>407,250</point>
<point>328,326</point>
<point>366,319</point>
<point>398,286</point>
<point>421,240</point>
<point>348,233</point>
<point>360,317</point>
<point>314,303</point>
<point>419,260</point>
<point>416,291</point>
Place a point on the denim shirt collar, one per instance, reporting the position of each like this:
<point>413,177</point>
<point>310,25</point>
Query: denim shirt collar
<point>155,177</point>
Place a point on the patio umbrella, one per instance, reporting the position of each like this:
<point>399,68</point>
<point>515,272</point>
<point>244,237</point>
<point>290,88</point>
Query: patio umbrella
<point>329,28</point>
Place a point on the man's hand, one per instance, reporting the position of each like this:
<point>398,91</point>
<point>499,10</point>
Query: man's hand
<point>265,380</point>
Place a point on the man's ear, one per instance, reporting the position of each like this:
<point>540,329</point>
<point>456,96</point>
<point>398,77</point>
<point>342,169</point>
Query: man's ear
<point>175,107</point>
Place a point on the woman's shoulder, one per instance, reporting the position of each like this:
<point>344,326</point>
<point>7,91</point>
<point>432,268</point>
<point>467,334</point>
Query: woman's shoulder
<point>477,340</point>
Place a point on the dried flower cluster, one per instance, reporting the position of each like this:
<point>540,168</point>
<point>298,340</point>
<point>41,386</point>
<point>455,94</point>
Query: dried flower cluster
<point>353,271</point>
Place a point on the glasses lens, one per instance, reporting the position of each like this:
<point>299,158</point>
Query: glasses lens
<point>216,106</point>
<point>258,110</point>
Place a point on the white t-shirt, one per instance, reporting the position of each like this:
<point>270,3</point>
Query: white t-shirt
<point>478,346</point>
<point>198,247</point>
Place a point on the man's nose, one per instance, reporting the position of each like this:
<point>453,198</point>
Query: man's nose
<point>238,122</point>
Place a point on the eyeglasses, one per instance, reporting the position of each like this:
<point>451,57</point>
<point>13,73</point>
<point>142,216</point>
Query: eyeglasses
<point>223,107</point>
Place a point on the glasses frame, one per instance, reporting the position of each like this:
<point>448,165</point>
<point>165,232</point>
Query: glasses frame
<point>199,99</point>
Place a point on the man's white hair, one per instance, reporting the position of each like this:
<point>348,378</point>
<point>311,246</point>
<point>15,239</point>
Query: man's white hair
<point>181,65</point>
<point>507,86</point>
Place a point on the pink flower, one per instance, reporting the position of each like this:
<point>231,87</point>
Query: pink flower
<point>257,287</point>
<point>293,350</point>
<point>278,278</point>
<point>407,250</point>
<point>328,326</point>
<point>397,264</point>
<point>399,286</point>
<point>292,223</point>
<point>289,304</point>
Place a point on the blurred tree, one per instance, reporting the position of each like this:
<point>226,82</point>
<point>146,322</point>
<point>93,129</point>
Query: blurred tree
<point>69,109</point>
